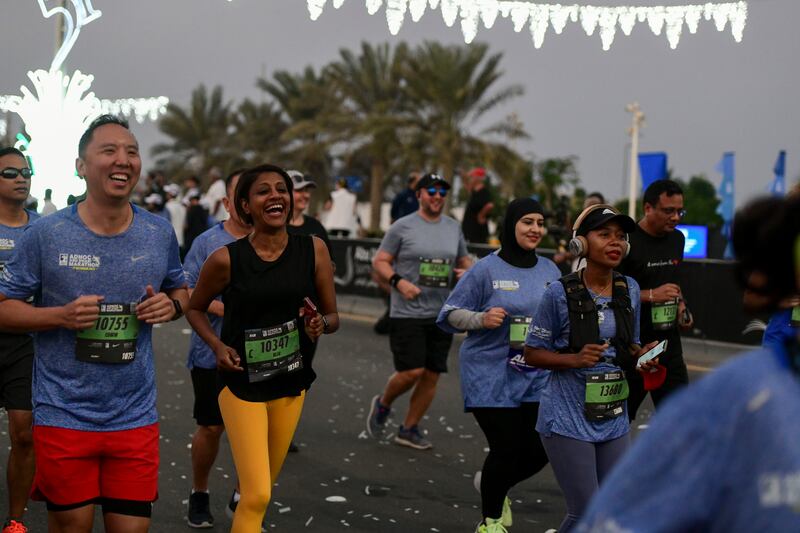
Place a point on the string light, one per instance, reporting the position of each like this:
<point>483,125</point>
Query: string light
<point>57,110</point>
<point>539,17</point>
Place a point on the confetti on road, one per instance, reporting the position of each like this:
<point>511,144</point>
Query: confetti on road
<point>336,499</point>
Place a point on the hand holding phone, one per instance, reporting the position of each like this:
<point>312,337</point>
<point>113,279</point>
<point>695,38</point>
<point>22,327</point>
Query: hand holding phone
<point>651,354</point>
<point>309,309</point>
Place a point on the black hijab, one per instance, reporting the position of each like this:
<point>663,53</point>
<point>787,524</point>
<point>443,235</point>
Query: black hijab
<point>511,252</point>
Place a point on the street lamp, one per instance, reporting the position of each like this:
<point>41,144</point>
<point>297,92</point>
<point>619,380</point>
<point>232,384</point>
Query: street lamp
<point>637,121</point>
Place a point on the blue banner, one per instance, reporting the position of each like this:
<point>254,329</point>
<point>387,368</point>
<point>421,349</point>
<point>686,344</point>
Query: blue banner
<point>778,185</point>
<point>652,166</point>
<point>727,197</point>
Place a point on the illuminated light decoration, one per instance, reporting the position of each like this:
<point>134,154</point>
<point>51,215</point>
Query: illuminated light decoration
<point>395,14</point>
<point>538,16</point>
<point>58,109</point>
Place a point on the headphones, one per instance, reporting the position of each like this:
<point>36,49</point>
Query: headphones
<point>579,246</point>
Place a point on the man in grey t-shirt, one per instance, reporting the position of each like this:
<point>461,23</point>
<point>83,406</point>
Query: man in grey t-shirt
<point>421,255</point>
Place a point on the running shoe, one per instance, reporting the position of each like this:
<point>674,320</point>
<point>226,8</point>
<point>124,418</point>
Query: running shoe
<point>491,525</point>
<point>14,526</point>
<point>506,518</point>
<point>230,509</point>
<point>377,417</point>
<point>199,515</point>
<point>412,437</point>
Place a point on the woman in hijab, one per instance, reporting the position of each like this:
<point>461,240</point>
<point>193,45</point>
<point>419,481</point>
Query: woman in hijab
<point>494,303</point>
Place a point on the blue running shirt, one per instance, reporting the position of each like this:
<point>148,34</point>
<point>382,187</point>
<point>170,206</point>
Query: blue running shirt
<point>200,354</point>
<point>59,259</point>
<point>561,409</point>
<point>487,378</point>
<point>720,456</point>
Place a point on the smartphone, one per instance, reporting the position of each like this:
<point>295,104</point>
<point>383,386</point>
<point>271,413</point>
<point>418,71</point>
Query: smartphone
<point>310,310</point>
<point>654,352</point>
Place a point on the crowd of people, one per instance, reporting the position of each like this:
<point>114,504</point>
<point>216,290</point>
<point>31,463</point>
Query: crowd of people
<point>556,361</point>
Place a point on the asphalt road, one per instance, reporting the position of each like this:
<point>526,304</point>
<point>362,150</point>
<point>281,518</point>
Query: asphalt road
<point>376,486</point>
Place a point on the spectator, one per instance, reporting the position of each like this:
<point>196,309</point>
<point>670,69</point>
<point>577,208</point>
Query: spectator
<point>196,220</point>
<point>341,219</point>
<point>476,216</point>
<point>49,207</point>
<point>176,210</point>
<point>215,194</point>
<point>405,202</point>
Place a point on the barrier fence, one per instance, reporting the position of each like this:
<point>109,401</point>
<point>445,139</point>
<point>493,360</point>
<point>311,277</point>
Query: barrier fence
<point>708,286</point>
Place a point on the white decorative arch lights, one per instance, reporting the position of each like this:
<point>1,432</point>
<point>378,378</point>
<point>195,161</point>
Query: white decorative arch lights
<point>540,17</point>
<point>58,109</point>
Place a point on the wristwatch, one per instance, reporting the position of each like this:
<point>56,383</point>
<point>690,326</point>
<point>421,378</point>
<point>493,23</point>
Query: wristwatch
<point>324,323</point>
<point>178,309</point>
<point>395,279</point>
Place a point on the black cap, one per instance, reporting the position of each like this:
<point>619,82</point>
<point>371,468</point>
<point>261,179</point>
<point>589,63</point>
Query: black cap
<point>432,180</point>
<point>600,216</point>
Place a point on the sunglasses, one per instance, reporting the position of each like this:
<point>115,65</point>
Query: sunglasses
<point>432,191</point>
<point>11,173</point>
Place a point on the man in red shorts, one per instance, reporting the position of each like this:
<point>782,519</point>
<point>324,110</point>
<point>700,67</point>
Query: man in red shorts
<point>101,273</point>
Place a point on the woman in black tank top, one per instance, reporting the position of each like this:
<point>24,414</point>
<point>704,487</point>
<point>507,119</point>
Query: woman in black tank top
<point>265,351</point>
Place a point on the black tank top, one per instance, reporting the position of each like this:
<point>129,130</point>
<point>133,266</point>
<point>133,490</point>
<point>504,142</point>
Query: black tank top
<point>263,294</point>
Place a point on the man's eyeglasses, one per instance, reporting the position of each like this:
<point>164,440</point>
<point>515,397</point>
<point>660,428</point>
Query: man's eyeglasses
<point>669,211</point>
<point>11,173</point>
<point>432,191</point>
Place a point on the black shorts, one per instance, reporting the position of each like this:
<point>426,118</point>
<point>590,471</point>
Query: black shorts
<point>206,405</point>
<point>16,369</point>
<point>418,343</point>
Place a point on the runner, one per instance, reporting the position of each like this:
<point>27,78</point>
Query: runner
<point>202,362</point>
<point>16,350</point>
<point>263,279</point>
<point>654,262</point>
<point>586,330</point>
<point>494,303</point>
<point>300,223</point>
<point>732,466</point>
<point>418,256</point>
<point>100,269</point>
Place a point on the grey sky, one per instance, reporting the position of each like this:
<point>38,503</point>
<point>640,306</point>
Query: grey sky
<point>709,96</point>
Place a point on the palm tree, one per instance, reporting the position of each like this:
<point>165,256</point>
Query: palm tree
<point>374,113</point>
<point>310,105</point>
<point>259,127</point>
<point>199,134</point>
<point>451,88</point>
<point>555,173</point>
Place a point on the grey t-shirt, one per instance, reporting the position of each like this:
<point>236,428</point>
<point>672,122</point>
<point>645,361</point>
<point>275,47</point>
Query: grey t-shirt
<point>425,253</point>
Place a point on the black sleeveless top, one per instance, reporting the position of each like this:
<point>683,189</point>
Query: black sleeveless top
<point>262,294</point>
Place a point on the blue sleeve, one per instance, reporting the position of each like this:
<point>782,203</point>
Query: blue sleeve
<point>667,480</point>
<point>175,278</point>
<point>392,240</point>
<point>193,262</point>
<point>635,294</point>
<point>545,326</point>
<point>779,328</point>
<point>469,293</point>
<point>22,276</point>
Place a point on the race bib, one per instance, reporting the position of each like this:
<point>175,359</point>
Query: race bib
<point>434,273</point>
<point>113,337</point>
<point>664,315</point>
<point>606,393</point>
<point>517,333</point>
<point>272,351</point>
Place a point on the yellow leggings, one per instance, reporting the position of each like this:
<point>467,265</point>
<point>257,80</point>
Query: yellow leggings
<point>259,434</point>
